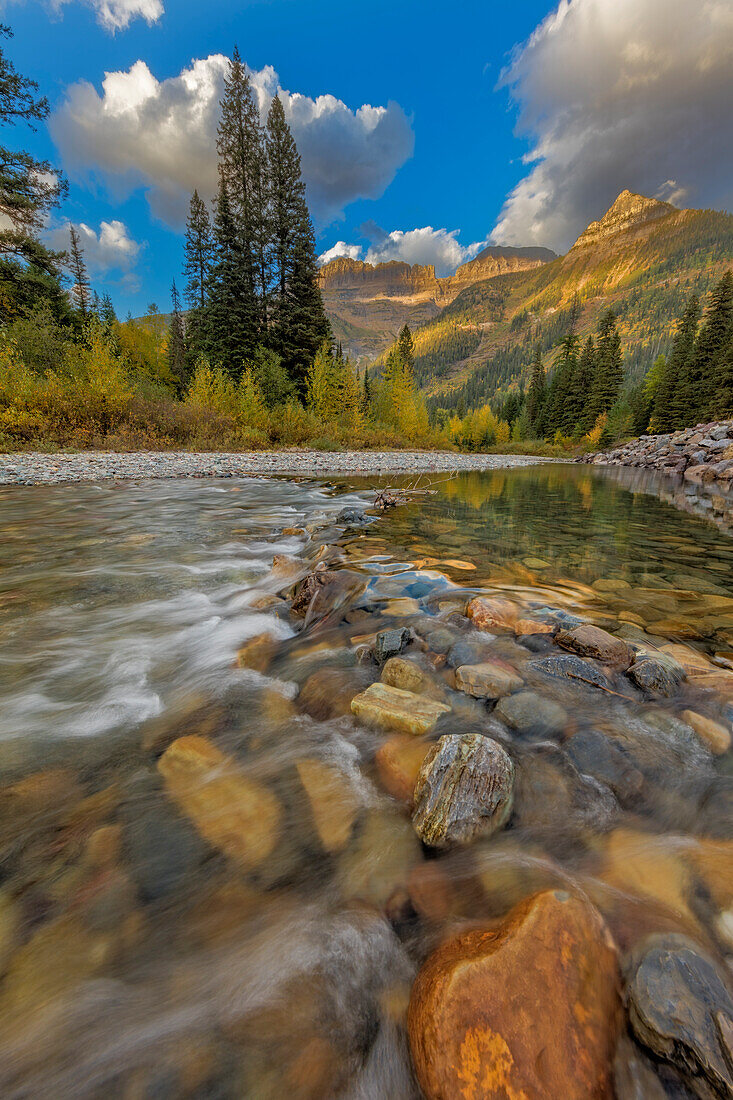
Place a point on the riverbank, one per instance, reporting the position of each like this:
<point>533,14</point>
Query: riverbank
<point>702,455</point>
<point>36,468</point>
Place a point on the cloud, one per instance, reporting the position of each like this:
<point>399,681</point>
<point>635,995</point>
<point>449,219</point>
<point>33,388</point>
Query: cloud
<point>438,247</point>
<point>110,249</point>
<point>161,135</point>
<point>620,94</point>
<point>116,15</point>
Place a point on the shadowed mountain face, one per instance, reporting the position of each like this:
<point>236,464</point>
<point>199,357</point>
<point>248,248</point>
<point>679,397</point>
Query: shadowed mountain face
<point>368,304</point>
<point>643,259</point>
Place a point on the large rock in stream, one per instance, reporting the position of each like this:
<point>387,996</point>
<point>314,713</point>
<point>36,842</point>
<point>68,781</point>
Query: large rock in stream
<point>590,641</point>
<point>465,789</point>
<point>682,1010</point>
<point>528,1011</point>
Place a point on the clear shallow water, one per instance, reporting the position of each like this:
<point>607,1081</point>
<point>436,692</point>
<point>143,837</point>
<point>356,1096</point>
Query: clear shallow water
<point>138,958</point>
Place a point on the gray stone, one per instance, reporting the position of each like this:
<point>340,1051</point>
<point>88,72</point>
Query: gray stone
<point>470,650</point>
<point>353,517</point>
<point>680,1008</point>
<point>572,668</point>
<point>390,642</point>
<point>464,790</point>
<point>531,715</point>
<point>590,641</point>
<point>658,675</point>
<point>488,680</point>
<point>593,754</point>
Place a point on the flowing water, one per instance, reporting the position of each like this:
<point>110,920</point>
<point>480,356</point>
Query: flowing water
<point>155,944</point>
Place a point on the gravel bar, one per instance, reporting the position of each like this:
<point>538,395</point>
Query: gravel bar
<point>34,468</point>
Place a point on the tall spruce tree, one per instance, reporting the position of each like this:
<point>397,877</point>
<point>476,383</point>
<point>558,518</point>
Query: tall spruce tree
<point>231,314</point>
<point>583,386</point>
<point>81,290</point>
<point>177,363</point>
<point>559,412</point>
<point>710,348</point>
<point>298,325</point>
<point>197,268</point>
<point>241,148</point>
<point>406,348</point>
<point>724,389</point>
<point>536,396</point>
<point>674,401</point>
<point>609,367</point>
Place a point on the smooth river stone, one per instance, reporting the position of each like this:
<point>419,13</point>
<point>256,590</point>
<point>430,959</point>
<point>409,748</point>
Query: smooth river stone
<point>528,1011</point>
<point>393,709</point>
<point>531,715</point>
<point>573,668</point>
<point>488,680</point>
<point>465,789</point>
<point>234,813</point>
<point>716,736</point>
<point>681,1009</point>
<point>657,675</point>
<point>398,762</point>
<point>485,614</point>
<point>333,802</point>
<point>591,641</point>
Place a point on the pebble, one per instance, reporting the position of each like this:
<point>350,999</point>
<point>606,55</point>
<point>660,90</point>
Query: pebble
<point>35,468</point>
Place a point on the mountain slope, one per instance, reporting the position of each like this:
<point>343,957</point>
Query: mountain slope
<point>643,258</point>
<point>368,304</point>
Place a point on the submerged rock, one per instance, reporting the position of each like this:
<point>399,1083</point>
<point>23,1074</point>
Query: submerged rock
<point>660,675</point>
<point>573,668</point>
<point>354,517</point>
<point>489,680</point>
<point>591,641</point>
<point>715,735</point>
<point>401,673</point>
<point>232,812</point>
<point>681,1009</point>
<point>529,1011</point>
<point>464,790</point>
<point>553,800</point>
<point>393,709</point>
<point>333,802</point>
<point>398,762</point>
<point>532,715</point>
<point>389,643</point>
<point>485,614</point>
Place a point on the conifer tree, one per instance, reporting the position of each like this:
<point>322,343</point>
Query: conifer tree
<point>197,268</point>
<point>80,291</point>
<point>609,369</point>
<point>366,395</point>
<point>240,144</point>
<point>406,348</point>
<point>536,396</point>
<point>298,320</point>
<point>673,399</point>
<point>231,314</point>
<point>558,409</point>
<point>710,348</point>
<point>583,386</point>
<point>724,389</point>
<point>176,343</point>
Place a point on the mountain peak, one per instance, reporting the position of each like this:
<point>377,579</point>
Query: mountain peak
<point>628,212</point>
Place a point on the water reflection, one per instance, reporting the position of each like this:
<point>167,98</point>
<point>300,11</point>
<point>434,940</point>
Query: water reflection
<point>211,885</point>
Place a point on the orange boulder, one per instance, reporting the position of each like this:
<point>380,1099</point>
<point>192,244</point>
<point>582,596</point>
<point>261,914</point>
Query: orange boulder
<point>525,1012</point>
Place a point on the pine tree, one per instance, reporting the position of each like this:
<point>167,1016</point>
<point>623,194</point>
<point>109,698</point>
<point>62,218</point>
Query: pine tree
<point>29,188</point>
<point>406,348</point>
<point>177,364</point>
<point>231,314</point>
<point>558,411</point>
<point>298,324</point>
<point>536,396</point>
<point>724,390</point>
<point>197,267</point>
<point>583,386</point>
<point>609,368</point>
<point>366,396</point>
<point>674,401</point>
<point>710,348</point>
<point>80,291</point>
<point>240,144</point>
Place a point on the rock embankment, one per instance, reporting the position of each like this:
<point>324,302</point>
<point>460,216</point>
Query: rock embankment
<point>702,454</point>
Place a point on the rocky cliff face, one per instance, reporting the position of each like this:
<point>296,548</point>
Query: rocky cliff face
<point>629,211</point>
<point>368,304</point>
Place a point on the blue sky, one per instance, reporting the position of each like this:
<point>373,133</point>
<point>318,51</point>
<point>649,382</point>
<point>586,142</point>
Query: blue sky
<point>448,151</point>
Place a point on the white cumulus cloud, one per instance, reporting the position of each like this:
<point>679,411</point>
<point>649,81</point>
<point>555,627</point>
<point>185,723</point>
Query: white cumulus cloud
<point>161,135</point>
<point>620,94</point>
<point>425,245</point>
<point>111,248</point>
<point>116,15</point>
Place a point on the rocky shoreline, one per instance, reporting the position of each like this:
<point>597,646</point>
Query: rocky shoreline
<point>36,468</point>
<point>702,455</point>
